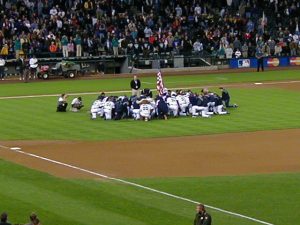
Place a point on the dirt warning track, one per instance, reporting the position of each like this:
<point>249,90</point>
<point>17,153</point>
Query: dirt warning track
<point>207,155</point>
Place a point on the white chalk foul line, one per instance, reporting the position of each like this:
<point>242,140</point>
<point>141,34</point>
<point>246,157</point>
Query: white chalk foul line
<point>18,150</point>
<point>128,91</point>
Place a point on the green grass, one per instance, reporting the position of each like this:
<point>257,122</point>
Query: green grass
<point>273,198</point>
<point>36,119</point>
<point>75,86</point>
<point>86,202</point>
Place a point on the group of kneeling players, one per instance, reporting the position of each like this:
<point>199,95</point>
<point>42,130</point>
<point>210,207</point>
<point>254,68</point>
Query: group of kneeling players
<point>169,104</point>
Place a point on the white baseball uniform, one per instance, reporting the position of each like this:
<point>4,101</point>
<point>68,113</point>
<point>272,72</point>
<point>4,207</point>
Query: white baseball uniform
<point>108,107</point>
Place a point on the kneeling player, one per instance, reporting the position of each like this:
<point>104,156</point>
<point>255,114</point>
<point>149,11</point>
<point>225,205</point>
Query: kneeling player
<point>109,106</point>
<point>76,104</point>
<point>97,109</point>
<point>146,110</point>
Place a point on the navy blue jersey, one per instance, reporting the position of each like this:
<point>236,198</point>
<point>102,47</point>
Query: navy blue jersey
<point>205,100</point>
<point>225,95</point>
<point>135,105</point>
<point>162,105</point>
<point>193,100</point>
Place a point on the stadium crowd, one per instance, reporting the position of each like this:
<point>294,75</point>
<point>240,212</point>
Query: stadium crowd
<point>223,28</point>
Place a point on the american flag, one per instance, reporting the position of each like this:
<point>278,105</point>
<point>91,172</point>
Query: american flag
<point>159,83</point>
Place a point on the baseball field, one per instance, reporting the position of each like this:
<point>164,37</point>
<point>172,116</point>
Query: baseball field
<point>71,170</point>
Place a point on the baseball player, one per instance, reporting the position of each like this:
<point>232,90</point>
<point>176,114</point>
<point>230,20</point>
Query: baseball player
<point>97,109</point>
<point>199,108</point>
<point>135,109</point>
<point>162,108</point>
<point>183,102</point>
<point>109,107</point>
<point>146,110</point>
<point>173,104</point>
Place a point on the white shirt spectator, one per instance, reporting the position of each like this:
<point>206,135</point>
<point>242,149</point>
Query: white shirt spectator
<point>33,63</point>
<point>147,32</point>
<point>228,52</point>
<point>2,62</point>
<point>237,54</point>
<point>178,10</point>
<point>198,46</point>
<point>198,10</point>
<point>61,14</point>
<point>59,23</point>
<point>53,11</point>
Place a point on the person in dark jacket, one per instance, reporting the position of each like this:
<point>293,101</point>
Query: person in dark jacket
<point>135,85</point>
<point>62,103</point>
<point>162,108</point>
<point>202,217</point>
<point>21,67</point>
<point>226,98</point>
<point>4,217</point>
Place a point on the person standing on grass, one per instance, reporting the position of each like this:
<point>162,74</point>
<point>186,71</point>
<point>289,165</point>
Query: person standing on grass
<point>202,217</point>
<point>3,219</point>
<point>135,85</point>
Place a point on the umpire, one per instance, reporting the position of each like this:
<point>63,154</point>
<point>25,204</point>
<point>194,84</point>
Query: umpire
<point>202,217</point>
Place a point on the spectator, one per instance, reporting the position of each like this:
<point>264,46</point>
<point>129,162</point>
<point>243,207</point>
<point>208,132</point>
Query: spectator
<point>228,52</point>
<point>245,50</point>
<point>53,48</point>
<point>17,47</point>
<point>71,48</point>
<point>278,49</point>
<point>115,45</point>
<point>78,43</point>
<point>2,64</point>
<point>4,51</point>
<point>64,43</point>
<point>198,47</point>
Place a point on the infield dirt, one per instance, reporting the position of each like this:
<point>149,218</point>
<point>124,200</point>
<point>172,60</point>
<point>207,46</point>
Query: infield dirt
<point>206,155</point>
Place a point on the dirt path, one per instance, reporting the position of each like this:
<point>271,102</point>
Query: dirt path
<point>208,155</point>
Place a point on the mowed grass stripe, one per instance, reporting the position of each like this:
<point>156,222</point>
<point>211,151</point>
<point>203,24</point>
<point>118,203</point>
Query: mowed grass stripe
<point>78,86</point>
<point>56,199</point>
<point>260,109</point>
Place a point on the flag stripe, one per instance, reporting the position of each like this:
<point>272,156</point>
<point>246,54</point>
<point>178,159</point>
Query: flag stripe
<point>160,84</point>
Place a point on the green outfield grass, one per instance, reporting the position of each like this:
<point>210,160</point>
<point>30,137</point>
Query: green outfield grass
<point>71,86</point>
<point>86,202</point>
<point>273,198</point>
<point>36,119</point>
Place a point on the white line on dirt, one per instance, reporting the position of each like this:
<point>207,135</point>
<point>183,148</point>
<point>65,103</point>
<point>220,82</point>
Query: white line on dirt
<point>128,91</point>
<point>18,150</point>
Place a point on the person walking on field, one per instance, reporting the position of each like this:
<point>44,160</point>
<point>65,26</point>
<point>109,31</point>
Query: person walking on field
<point>135,85</point>
<point>202,217</point>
